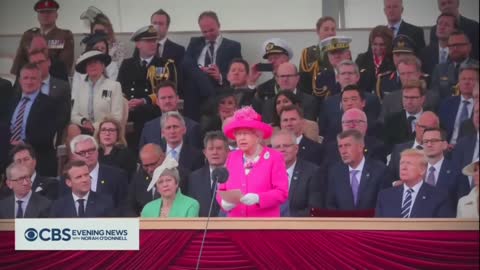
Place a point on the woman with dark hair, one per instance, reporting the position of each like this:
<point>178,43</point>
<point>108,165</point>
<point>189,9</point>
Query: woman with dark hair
<point>377,59</point>
<point>226,104</point>
<point>101,23</point>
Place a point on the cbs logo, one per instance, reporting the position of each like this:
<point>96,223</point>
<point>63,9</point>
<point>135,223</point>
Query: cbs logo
<point>46,234</point>
<point>31,234</point>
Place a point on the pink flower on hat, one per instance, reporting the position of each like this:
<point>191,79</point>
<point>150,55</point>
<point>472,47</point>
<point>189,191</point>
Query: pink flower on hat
<point>246,117</point>
<point>246,113</point>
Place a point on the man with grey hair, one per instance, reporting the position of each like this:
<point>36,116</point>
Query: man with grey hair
<point>23,203</point>
<point>104,179</point>
<point>305,180</point>
<point>354,183</point>
<point>200,182</point>
<point>173,130</point>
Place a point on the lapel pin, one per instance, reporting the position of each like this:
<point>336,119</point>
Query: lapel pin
<point>38,189</point>
<point>103,182</point>
<point>368,175</point>
<point>424,197</point>
<point>448,171</point>
<point>295,178</point>
<point>303,147</point>
<point>267,155</point>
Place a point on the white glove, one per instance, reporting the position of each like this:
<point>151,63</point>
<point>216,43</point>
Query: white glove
<point>227,206</point>
<point>250,199</point>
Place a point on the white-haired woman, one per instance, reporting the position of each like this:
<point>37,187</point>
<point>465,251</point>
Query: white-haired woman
<point>468,206</point>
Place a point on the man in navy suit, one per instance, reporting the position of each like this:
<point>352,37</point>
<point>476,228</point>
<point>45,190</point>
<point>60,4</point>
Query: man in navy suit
<point>305,182</point>
<point>414,198</point>
<point>356,119</point>
<point>466,150</point>
<point>200,182</point>
<point>291,119</point>
<point>456,109</point>
<point>354,183</point>
<point>437,52</point>
<point>81,201</point>
<point>167,101</point>
<point>23,203</point>
<point>105,179</point>
<point>173,130</point>
<point>393,11</point>
<point>469,26</point>
<point>441,172</point>
<point>428,119</point>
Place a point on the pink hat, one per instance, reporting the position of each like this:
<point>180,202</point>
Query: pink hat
<point>246,117</point>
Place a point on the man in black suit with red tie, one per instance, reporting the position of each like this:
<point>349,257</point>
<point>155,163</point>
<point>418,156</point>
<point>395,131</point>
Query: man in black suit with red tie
<point>393,11</point>
<point>23,203</point>
<point>200,182</point>
<point>81,201</point>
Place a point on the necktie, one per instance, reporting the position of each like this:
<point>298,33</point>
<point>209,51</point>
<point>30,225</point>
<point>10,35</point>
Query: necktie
<point>160,49</point>
<point>354,184</point>
<point>81,207</point>
<point>411,121</point>
<point>20,210</point>
<point>431,176</point>
<point>18,124</point>
<point>457,70</point>
<point>407,204</point>
<point>91,94</point>
<point>174,154</point>
<point>443,56</point>
<point>464,112</point>
<point>419,147</point>
<point>393,28</point>
<point>209,54</point>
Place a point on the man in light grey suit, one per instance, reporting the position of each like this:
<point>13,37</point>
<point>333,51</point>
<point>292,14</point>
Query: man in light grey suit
<point>23,203</point>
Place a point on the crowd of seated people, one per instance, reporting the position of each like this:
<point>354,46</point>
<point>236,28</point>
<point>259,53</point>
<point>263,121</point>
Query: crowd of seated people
<point>394,133</point>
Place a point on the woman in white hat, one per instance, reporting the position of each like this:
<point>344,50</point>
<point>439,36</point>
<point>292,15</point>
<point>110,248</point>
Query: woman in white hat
<point>172,203</point>
<point>468,206</point>
<point>99,96</point>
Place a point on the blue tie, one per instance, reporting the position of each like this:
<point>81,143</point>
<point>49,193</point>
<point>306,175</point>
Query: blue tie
<point>17,127</point>
<point>464,113</point>
<point>174,154</point>
<point>20,209</point>
<point>407,204</point>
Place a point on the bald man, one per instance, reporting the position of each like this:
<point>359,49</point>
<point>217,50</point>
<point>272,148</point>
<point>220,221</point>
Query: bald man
<point>287,78</point>
<point>427,119</point>
<point>151,156</point>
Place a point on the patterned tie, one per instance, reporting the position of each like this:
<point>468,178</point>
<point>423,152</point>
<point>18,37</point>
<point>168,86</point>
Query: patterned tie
<point>407,204</point>
<point>443,56</point>
<point>81,207</point>
<point>20,210</point>
<point>354,184</point>
<point>431,176</point>
<point>18,124</point>
<point>411,121</point>
<point>464,112</point>
<point>174,154</point>
<point>209,53</point>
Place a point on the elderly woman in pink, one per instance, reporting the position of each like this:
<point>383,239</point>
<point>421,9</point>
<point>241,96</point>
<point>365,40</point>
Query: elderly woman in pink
<point>258,172</point>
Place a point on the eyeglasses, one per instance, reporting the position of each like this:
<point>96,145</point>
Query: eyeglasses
<point>457,45</point>
<point>22,179</point>
<point>356,122</point>
<point>432,141</point>
<point>282,146</point>
<point>150,165</point>
<point>108,130</point>
<point>287,76</point>
<point>86,152</point>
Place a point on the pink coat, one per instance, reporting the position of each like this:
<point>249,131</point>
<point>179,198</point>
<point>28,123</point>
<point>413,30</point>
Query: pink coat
<point>268,178</point>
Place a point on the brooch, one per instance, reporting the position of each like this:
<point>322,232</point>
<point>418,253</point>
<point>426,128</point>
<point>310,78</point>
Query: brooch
<point>266,155</point>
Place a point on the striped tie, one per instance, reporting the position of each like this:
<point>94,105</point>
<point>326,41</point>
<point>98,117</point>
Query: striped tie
<point>16,129</point>
<point>407,204</point>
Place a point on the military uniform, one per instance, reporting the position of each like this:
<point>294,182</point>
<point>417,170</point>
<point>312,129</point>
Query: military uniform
<point>312,62</point>
<point>59,41</point>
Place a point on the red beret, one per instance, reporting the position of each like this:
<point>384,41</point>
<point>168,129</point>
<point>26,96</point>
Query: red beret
<point>44,5</point>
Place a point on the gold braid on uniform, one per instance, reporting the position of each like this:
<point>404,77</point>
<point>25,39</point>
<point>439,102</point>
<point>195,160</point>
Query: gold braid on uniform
<point>154,78</point>
<point>319,92</point>
<point>456,90</point>
<point>310,63</point>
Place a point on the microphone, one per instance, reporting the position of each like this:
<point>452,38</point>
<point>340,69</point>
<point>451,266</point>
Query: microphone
<point>219,175</point>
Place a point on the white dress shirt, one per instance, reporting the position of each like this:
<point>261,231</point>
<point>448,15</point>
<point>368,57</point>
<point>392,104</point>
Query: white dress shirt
<point>299,139</point>
<point>290,173</point>
<point>359,170</point>
<point>77,205</point>
<point>415,188</point>
<point>201,57</point>
<point>437,167</point>
<point>45,88</point>
<point>94,178</point>
<point>442,51</point>
<point>177,149</point>
<point>148,60</point>
<point>397,27</point>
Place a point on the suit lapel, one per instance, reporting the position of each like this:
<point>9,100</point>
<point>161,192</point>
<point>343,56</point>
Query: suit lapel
<point>220,51</point>
<point>32,209</point>
<point>295,180</point>
<point>99,179</point>
<point>364,182</point>
<point>9,207</point>
<point>397,201</point>
<point>444,174</point>
<point>90,207</point>
<point>35,109</point>
<point>417,204</point>
<point>53,87</point>
<point>70,210</point>
<point>345,185</point>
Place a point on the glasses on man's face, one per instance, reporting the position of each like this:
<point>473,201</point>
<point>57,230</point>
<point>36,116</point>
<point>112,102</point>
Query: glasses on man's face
<point>88,152</point>
<point>21,179</point>
<point>355,121</point>
<point>456,45</point>
<point>432,141</point>
<point>282,146</point>
<point>108,130</point>
<point>151,165</point>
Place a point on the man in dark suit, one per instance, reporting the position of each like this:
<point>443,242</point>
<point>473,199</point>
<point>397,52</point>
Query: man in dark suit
<point>374,148</point>
<point>167,101</point>
<point>441,172</point>
<point>456,109</point>
<point>139,76</point>
<point>287,79</point>
<point>23,203</point>
<point>305,182</point>
<point>33,118</point>
<point>105,179</point>
<point>200,182</point>
<point>173,130</point>
<point>291,119</point>
<point>393,11</point>
<point>437,52</point>
<point>45,186</point>
<point>469,26</point>
<point>354,183</point>
<point>445,76</point>
<point>400,127</point>
<point>81,201</point>
<point>6,94</point>
<point>414,198</point>
<point>466,150</point>
<point>427,120</point>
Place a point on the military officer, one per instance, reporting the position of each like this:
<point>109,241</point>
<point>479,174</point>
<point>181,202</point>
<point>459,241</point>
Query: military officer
<point>60,41</point>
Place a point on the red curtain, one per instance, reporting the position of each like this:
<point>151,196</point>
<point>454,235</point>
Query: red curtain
<point>337,249</point>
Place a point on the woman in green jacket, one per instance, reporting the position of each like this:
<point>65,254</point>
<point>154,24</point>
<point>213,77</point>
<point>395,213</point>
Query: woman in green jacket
<point>172,202</point>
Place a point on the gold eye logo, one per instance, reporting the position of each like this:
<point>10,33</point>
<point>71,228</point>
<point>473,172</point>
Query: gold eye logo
<point>269,46</point>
